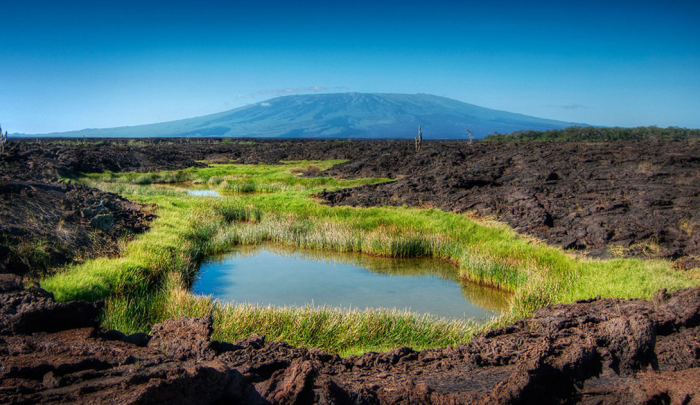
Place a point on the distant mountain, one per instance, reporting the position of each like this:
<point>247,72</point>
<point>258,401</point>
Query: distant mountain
<point>341,115</point>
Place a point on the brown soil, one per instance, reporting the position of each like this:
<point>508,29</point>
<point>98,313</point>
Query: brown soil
<point>634,199</point>
<point>590,352</point>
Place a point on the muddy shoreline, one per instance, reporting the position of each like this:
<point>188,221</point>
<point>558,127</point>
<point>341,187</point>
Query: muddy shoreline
<point>642,197</point>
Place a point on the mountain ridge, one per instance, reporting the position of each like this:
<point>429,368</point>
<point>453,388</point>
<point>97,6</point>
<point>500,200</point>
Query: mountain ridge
<point>338,115</point>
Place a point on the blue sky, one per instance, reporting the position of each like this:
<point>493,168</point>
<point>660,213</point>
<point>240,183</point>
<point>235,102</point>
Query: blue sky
<point>68,65</point>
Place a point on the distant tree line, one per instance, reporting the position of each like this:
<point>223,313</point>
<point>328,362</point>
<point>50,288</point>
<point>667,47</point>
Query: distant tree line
<point>596,134</point>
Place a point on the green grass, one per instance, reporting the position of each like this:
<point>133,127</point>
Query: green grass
<point>337,330</point>
<point>235,177</point>
<point>627,278</point>
<point>147,283</point>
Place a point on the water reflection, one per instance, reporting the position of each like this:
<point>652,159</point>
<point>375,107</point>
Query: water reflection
<point>203,193</point>
<point>197,190</point>
<point>278,275</point>
<point>206,190</point>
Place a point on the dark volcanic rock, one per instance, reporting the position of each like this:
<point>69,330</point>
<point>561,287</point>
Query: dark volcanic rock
<point>183,338</point>
<point>10,282</point>
<point>641,199</point>
<point>636,199</point>
<point>48,224</point>
<point>632,199</point>
<point>34,310</point>
<point>28,160</point>
<point>592,351</point>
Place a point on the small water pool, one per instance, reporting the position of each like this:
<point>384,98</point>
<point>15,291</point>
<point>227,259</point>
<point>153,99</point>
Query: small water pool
<point>197,190</point>
<point>280,276</point>
<point>203,192</point>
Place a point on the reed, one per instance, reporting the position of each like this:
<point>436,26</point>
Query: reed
<point>148,282</point>
<point>336,330</point>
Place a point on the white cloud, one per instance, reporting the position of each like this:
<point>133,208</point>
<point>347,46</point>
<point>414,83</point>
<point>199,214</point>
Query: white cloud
<point>265,104</point>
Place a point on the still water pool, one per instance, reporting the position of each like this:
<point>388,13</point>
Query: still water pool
<point>280,276</point>
<point>203,192</point>
<point>198,190</point>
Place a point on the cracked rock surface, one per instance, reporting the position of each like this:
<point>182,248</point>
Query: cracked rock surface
<point>49,224</point>
<point>636,199</point>
<point>598,351</point>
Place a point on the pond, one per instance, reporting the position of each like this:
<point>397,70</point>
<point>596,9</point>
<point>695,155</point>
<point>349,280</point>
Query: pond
<point>280,276</point>
<point>210,190</point>
<point>198,190</point>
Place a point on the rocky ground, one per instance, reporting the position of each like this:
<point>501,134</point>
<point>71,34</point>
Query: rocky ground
<point>635,199</point>
<point>45,224</point>
<point>638,199</point>
<point>49,159</point>
<point>608,351</point>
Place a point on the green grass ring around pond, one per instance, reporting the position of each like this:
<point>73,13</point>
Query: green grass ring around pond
<point>148,282</point>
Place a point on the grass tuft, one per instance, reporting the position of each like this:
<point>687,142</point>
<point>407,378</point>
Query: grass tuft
<point>149,282</point>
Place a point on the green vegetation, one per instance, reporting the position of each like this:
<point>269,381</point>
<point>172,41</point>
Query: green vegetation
<point>594,134</point>
<point>239,178</point>
<point>148,282</point>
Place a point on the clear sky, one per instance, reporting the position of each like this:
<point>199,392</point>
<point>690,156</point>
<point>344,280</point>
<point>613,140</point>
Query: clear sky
<point>68,65</point>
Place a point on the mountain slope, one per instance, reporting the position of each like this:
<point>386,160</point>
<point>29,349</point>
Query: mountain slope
<point>341,115</point>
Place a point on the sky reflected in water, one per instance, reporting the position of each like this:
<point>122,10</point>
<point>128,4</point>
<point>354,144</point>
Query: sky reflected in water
<point>280,276</point>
